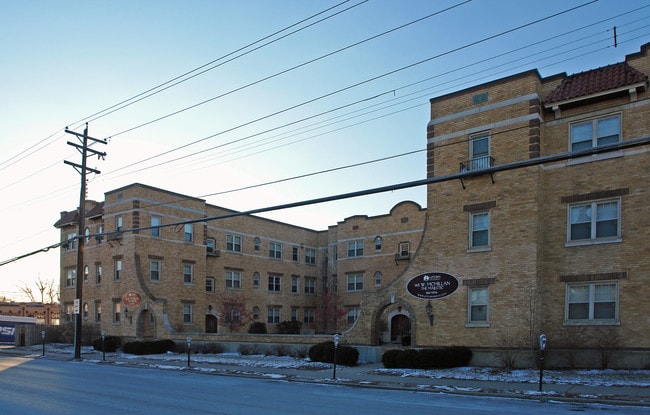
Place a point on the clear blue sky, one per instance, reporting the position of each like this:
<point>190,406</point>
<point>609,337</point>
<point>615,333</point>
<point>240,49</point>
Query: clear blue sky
<point>290,108</point>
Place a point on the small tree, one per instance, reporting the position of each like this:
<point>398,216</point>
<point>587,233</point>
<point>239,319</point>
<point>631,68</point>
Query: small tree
<point>233,311</point>
<point>329,310</point>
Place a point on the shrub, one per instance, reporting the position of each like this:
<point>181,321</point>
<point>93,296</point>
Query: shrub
<point>440,358</point>
<point>324,352</point>
<point>248,349</point>
<point>289,327</point>
<point>210,348</point>
<point>111,344</point>
<point>257,327</point>
<point>389,358</point>
<point>149,347</point>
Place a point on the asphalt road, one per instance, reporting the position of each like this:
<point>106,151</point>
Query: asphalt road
<point>43,386</point>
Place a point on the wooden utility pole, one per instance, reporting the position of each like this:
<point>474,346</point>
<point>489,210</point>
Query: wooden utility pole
<point>82,169</point>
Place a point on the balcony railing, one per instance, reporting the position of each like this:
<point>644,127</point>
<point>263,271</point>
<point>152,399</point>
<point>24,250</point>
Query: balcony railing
<point>477,163</point>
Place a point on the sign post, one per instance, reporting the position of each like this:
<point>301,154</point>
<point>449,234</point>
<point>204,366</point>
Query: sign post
<point>542,348</point>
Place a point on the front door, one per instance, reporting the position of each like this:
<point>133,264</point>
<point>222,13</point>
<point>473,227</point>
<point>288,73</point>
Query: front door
<point>400,329</point>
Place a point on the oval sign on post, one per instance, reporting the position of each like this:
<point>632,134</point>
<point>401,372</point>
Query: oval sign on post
<point>131,299</point>
<point>432,285</point>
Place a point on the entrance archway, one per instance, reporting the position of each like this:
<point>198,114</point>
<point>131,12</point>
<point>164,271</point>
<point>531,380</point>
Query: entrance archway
<point>400,329</point>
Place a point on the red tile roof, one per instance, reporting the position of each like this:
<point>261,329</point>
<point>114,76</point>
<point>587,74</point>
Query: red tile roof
<point>597,80</point>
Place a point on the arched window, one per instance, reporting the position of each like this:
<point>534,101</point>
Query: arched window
<point>378,242</point>
<point>87,233</point>
<point>256,313</point>
<point>256,279</point>
<point>378,279</point>
<point>257,243</point>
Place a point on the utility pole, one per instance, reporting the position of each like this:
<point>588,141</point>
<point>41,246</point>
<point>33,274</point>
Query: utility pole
<point>82,169</point>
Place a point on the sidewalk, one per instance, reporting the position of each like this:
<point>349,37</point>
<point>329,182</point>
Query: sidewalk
<point>365,376</point>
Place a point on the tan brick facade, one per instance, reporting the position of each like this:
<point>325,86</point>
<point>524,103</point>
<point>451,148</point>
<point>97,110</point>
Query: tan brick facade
<point>258,269</point>
<point>513,238</point>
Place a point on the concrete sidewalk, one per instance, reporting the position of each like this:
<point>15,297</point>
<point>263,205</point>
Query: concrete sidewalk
<point>371,376</point>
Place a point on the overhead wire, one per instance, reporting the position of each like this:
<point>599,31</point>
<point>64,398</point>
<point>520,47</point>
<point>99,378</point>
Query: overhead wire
<point>178,80</point>
<point>312,100</point>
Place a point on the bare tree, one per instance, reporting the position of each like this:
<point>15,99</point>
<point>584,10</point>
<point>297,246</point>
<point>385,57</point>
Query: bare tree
<point>26,289</point>
<point>233,312</point>
<point>45,287</point>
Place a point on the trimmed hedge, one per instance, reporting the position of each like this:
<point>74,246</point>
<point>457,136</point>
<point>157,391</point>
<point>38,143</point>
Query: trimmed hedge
<point>257,327</point>
<point>149,347</point>
<point>111,344</point>
<point>439,358</point>
<point>289,327</point>
<point>324,352</point>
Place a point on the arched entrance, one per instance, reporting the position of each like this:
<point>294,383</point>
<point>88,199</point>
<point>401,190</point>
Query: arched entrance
<point>211,323</point>
<point>400,329</point>
<point>145,325</point>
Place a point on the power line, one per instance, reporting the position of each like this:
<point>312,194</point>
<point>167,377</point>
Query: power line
<point>287,109</point>
<point>637,142</point>
<point>172,82</point>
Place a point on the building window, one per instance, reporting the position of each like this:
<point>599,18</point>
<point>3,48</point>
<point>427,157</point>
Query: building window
<point>256,313</point>
<point>274,283</point>
<point>71,244</point>
<point>294,313</point>
<point>479,152</point>
<point>211,246</point>
<point>596,132</point>
<point>70,277</point>
<point>187,313</point>
<point>478,305</point>
<point>404,249</point>
<point>352,315</point>
<point>256,279</point>
<point>86,272</point>
<point>154,270</point>
<point>378,279</point>
<point>355,248</point>
<point>378,243</point>
<point>256,244</point>
<point>233,243</point>
<point>273,315</point>
<point>355,282</point>
<point>98,311</point>
<point>310,256</point>
<point>294,254</point>
<point>233,279</point>
<point>310,286</point>
<point>118,223</point>
<point>118,269</point>
<point>87,234</point>
<point>188,273</point>
<point>275,250</point>
<point>98,273</point>
<point>479,235</point>
<point>209,284</point>
<point>233,316</point>
<point>597,301</point>
<point>155,225</point>
<point>294,285</point>
<point>85,311</point>
<point>595,220</point>
<point>99,237</point>
<point>188,232</point>
<point>117,308</point>
<point>309,316</point>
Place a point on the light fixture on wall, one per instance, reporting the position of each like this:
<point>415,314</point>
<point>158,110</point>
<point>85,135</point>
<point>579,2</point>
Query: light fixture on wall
<point>429,309</point>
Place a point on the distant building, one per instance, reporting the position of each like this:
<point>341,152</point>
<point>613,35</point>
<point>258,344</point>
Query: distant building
<point>536,223</point>
<point>47,314</point>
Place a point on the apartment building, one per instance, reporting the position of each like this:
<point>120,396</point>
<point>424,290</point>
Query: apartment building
<point>159,264</point>
<point>536,218</point>
<point>536,222</point>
